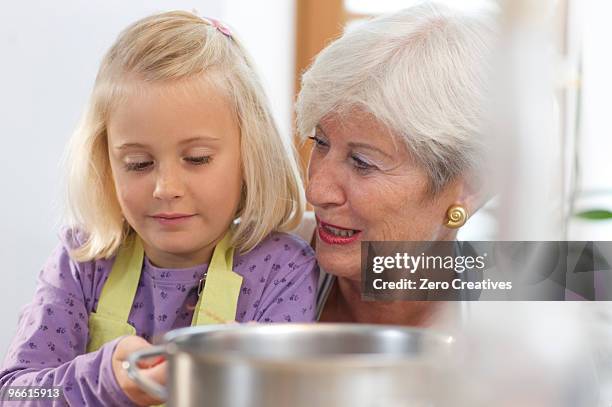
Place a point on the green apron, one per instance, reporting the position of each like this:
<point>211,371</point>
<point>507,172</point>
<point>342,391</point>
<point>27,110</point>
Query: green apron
<point>219,297</point>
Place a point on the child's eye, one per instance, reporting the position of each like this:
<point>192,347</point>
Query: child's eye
<point>361,165</point>
<point>205,159</point>
<point>138,165</point>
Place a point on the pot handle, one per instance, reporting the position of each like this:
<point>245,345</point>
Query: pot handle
<point>148,385</point>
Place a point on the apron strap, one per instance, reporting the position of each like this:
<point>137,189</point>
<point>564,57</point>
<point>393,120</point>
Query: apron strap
<point>222,287</point>
<point>115,302</point>
<point>218,299</point>
<point>120,287</point>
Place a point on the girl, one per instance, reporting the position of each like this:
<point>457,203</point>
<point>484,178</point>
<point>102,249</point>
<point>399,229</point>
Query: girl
<point>178,183</point>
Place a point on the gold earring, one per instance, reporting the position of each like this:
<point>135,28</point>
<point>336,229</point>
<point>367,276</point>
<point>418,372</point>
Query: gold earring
<point>456,216</point>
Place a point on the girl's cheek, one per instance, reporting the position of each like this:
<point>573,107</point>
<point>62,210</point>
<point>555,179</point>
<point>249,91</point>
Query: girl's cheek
<point>129,192</point>
<point>123,188</point>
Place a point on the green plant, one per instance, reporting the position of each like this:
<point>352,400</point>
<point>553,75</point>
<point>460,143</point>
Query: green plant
<point>595,214</point>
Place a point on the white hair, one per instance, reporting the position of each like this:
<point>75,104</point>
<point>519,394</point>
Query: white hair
<point>421,72</point>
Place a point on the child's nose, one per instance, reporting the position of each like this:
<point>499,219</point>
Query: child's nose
<point>168,185</point>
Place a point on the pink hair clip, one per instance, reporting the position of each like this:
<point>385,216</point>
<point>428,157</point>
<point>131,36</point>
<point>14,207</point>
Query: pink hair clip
<point>222,28</point>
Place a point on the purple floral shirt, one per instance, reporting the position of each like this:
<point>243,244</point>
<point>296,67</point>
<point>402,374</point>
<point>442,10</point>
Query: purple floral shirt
<point>279,285</point>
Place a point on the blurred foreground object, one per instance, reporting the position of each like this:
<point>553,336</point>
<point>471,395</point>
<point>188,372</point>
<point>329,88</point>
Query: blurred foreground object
<point>536,354</point>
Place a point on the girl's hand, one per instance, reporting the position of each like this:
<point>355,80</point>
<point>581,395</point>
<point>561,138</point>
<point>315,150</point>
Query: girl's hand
<point>153,369</point>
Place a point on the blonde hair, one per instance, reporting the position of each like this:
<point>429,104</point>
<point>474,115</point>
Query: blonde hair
<point>421,72</point>
<point>169,47</point>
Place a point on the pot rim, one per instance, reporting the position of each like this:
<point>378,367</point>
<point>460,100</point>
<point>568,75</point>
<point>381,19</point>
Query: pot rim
<point>173,345</point>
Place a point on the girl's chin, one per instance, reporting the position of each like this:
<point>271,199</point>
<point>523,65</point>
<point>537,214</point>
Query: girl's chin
<point>174,248</point>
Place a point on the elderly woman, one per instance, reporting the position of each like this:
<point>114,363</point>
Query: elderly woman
<point>393,108</point>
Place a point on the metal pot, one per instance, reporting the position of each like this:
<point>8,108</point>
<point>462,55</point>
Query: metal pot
<point>296,365</point>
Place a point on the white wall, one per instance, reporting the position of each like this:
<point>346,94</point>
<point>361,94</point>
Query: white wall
<point>595,181</point>
<point>50,53</point>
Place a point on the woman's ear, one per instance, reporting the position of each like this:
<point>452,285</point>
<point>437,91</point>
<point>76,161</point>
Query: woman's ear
<point>470,194</point>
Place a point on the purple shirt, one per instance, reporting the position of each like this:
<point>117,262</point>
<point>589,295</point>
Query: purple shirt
<point>279,284</point>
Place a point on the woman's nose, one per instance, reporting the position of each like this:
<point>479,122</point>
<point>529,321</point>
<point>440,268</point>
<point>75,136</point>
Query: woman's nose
<point>325,185</point>
<point>169,184</point>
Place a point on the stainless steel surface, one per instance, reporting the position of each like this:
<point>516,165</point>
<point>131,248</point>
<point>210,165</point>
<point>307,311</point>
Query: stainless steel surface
<point>131,365</point>
<point>302,365</point>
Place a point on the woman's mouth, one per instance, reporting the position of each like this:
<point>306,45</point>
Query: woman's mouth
<point>334,234</point>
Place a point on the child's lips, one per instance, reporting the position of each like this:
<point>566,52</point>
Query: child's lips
<point>171,215</point>
<point>172,219</point>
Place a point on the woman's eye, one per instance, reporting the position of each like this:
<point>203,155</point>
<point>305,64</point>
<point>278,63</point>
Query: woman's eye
<point>138,165</point>
<point>205,159</point>
<point>361,165</point>
<point>319,142</point>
